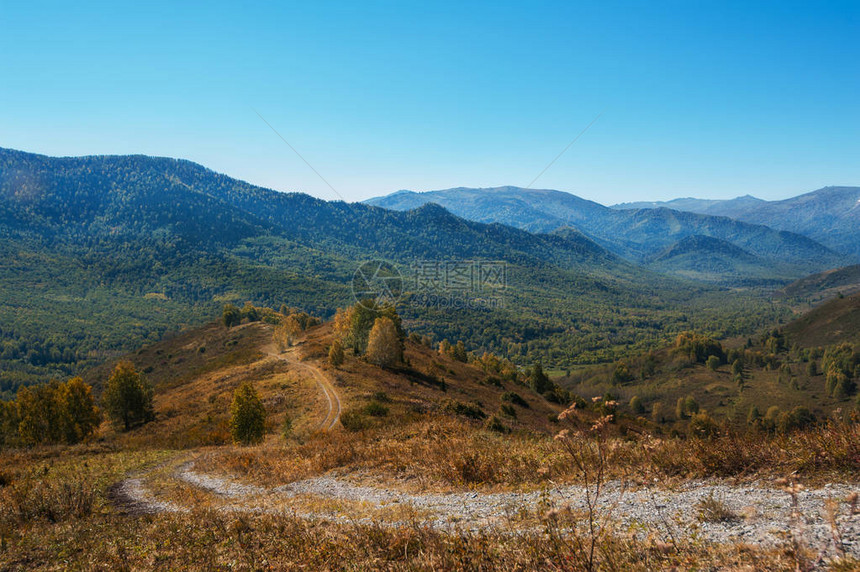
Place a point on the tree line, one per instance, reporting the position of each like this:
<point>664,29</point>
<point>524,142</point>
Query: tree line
<point>68,413</point>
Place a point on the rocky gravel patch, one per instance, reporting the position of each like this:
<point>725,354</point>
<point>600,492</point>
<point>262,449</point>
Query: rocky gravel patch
<point>755,513</point>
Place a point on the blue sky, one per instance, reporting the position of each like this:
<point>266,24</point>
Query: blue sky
<point>709,99</point>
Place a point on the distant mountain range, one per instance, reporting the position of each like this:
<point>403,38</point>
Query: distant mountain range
<point>639,235</point>
<point>830,215</point>
<point>730,208</point>
<point>102,254</point>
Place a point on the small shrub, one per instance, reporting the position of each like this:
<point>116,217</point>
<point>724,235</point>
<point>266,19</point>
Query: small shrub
<point>515,398</point>
<point>376,409</point>
<point>381,397</point>
<point>495,424</point>
<point>353,420</point>
<point>713,363</point>
<point>712,509</point>
<point>508,410</point>
<point>703,426</point>
<point>33,499</point>
<point>465,409</point>
<point>286,427</point>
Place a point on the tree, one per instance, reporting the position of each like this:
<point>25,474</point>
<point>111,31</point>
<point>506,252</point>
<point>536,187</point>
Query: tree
<point>352,325</point>
<point>844,387</point>
<point>636,405</point>
<point>8,422</point>
<point>40,415</point>
<point>335,354</point>
<point>127,398</point>
<point>247,416</point>
<point>785,374</point>
<point>697,348</point>
<point>286,332</point>
<point>703,426</point>
<point>383,344</point>
<point>81,416</point>
<point>232,316</point>
<point>445,348</point>
<point>539,381</point>
<point>691,407</point>
<point>713,363</point>
<point>737,368</point>
<point>621,374</point>
<point>250,312</point>
<point>459,352</point>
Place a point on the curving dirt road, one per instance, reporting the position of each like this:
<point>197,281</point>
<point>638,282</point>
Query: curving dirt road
<point>762,515</point>
<point>334,406</point>
<point>325,385</point>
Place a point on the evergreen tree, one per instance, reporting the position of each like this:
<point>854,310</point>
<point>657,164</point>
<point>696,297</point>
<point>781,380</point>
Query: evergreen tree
<point>232,316</point>
<point>539,381</point>
<point>127,398</point>
<point>247,416</point>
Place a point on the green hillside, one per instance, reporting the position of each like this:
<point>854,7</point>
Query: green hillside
<point>102,254</point>
<point>833,322</point>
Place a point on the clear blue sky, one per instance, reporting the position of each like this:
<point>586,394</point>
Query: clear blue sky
<point>710,99</point>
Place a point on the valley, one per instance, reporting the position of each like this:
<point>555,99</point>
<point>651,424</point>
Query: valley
<point>672,389</point>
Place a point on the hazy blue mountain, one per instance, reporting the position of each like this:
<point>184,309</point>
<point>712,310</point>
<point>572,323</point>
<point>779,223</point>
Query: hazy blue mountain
<point>730,208</point>
<point>636,234</point>
<point>830,215</point>
<point>714,260</point>
<point>535,210</point>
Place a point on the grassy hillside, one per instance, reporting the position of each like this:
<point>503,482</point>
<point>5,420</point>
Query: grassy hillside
<point>796,366</point>
<point>832,322</point>
<point>433,431</point>
<point>825,285</point>
<point>195,373</point>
